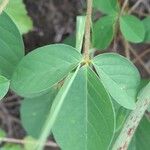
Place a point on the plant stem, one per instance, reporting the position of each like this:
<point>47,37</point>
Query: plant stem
<point>23,142</point>
<point>88,30</point>
<point>139,59</point>
<point>127,50</point>
<point>3,5</point>
<point>123,7</point>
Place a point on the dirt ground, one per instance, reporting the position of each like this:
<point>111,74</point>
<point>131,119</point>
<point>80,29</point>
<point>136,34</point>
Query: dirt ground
<point>53,21</point>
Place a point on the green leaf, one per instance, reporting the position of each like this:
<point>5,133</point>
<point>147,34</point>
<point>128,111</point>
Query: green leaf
<point>4,86</point>
<point>77,40</point>
<point>132,28</point>
<point>146,23</point>
<point>56,107</point>
<point>2,133</point>
<point>42,68</point>
<point>8,146</point>
<point>80,32</point>
<point>143,83</point>
<point>121,113</point>
<point>132,145</point>
<point>141,139</point>
<point>119,76</point>
<point>11,46</point>
<point>106,6</point>
<point>17,11</point>
<point>70,40</point>
<point>145,92</point>
<point>34,112</point>
<point>143,135</point>
<point>103,32</point>
<point>86,118</point>
<point>29,143</point>
<point>121,116</point>
<point>11,147</point>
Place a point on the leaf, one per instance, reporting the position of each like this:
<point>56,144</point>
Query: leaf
<point>132,28</point>
<point>103,32</point>
<point>132,145</point>
<point>77,40</point>
<point>106,6</point>
<point>145,92</point>
<point>17,11</point>
<point>146,23</point>
<point>121,113</point>
<point>2,133</point>
<point>143,83</point>
<point>141,139</point>
<point>119,76</point>
<point>11,46</point>
<point>4,86</point>
<point>29,143</point>
<point>86,118</point>
<point>133,120</point>
<point>70,40</point>
<point>11,147</point>
<point>80,32</point>
<point>45,67</point>
<point>34,112</point>
<point>143,135</point>
<point>56,107</point>
<point>121,116</point>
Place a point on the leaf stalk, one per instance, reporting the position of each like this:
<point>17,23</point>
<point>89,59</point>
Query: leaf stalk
<point>87,42</point>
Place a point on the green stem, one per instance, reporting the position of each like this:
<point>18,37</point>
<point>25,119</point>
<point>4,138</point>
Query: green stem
<point>3,5</point>
<point>88,30</point>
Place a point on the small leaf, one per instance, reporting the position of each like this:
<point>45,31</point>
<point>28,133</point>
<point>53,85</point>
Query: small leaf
<point>77,40</point>
<point>34,112</point>
<point>121,116</point>
<point>4,86</point>
<point>11,147</point>
<point>146,23</point>
<point>8,146</point>
<point>2,133</point>
<point>19,15</point>
<point>143,83</point>
<point>103,32</point>
<point>11,46</point>
<point>119,76</point>
<point>86,118</point>
<point>29,143</point>
<point>42,68</point>
<point>132,28</point>
<point>80,32</point>
<point>70,40</point>
<point>144,94</point>
<point>107,6</point>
